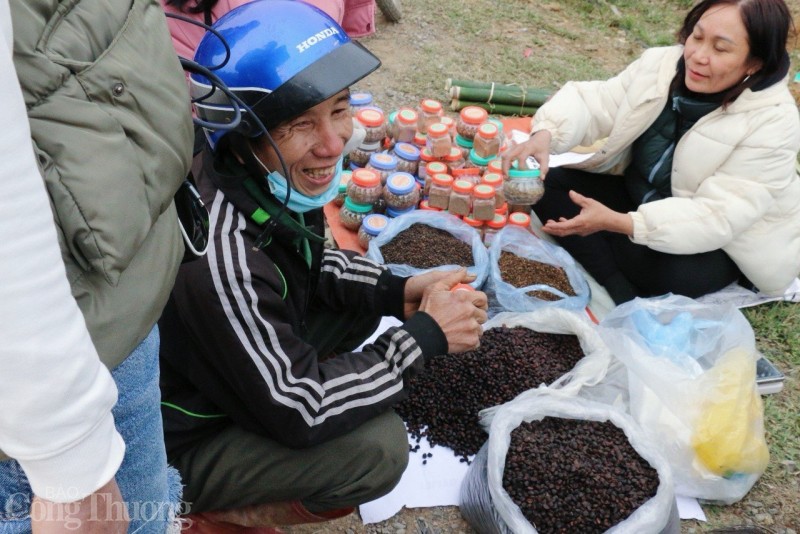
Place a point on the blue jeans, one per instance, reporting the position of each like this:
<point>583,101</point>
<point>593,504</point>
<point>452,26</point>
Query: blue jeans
<point>150,488</point>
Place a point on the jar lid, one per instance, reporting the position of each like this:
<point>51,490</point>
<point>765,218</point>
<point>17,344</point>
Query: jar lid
<point>488,130</point>
<point>462,287</point>
<point>477,160</point>
<point>520,219</point>
<point>496,122</point>
<point>499,221</point>
<point>346,175</point>
<point>360,98</point>
<point>420,139</point>
<point>483,191</point>
<point>435,167</point>
<point>365,178</point>
<point>437,129</point>
<point>463,141</point>
<point>447,121</point>
<point>474,115</point>
<point>370,117</point>
<point>425,154</point>
<point>355,206</point>
<point>496,166</point>
<point>442,179</point>
<point>354,166</point>
<point>492,178</point>
<point>463,186</point>
<point>513,172</point>
<point>392,212</point>
<point>475,223</point>
<point>428,105</point>
<point>503,209</point>
<point>471,172</point>
<point>369,147</point>
<point>406,116</point>
<point>424,205</point>
<point>391,117</point>
<point>374,223</point>
<point>383,161</point>
<point>400,183</point>
<point>406,151</point>
<point>454,155</point>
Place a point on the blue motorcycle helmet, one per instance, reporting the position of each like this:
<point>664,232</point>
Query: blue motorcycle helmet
<point>286,57</point>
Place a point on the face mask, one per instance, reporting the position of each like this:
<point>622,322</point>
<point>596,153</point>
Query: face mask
<point>298,202</point>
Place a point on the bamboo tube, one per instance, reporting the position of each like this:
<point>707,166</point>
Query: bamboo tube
<point>497,109</point>
<point>517,96</point>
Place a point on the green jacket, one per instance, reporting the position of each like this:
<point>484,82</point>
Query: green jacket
<point>111,126</point>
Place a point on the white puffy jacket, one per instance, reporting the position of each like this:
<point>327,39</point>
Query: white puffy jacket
<point>734,179</point>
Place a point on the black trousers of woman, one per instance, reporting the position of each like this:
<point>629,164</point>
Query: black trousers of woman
<point>624,268</point>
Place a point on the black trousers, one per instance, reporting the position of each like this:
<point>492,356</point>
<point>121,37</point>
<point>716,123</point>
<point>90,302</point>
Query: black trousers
<point>624,268</point>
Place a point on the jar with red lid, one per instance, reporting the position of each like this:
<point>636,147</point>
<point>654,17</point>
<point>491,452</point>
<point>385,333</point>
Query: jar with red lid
<point>492,228</point>
<point>401,191</point>
<point>372,225</point>
<point>434,167</point>
<point>405,125</point>
<point>495,166</point>
<point>502,210</point>
<point>374,123</point>
<point>407,157</point>
<point>523,220</point>
<point>471,174</point>
<point>425,206</point>
<point>382,163</point>
<point>454,159</point>
<point>428,113</point>
<point>461,198</point>
<point>352,213</point>
<point>474,223</point>
<point>438,140</point>
<point>487,141</point>
<point>469,118</point>
<point>483,202</point>
<point>364,186</point>
<point>439,194</point>
<point>496,181</point>
<point>420,140</point>
<point>450,122</point>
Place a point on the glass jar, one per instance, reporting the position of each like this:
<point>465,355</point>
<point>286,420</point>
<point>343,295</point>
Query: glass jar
<point>361,154</point>
<point>420,140</point>
<point>425,206</point>
<point>382,163</point>
<point>364,187</point>
<point>374,123</point>
<point>393,213</point>
<point>359,100</point>
<point>492,228</point>
<point>428,113</point>
<point>474,223</point>
<point>464,145</point>
<point>503,209</point>
<point>352,213</point>
<point>523,220</point>
<point>405,126</point>
<point>439,194</point>
<point>407,158</point>
<point>454,160</point>
<point>487,141</point>
<point>483,202</point>
<point>468,121</point>
<point>496,181</point>
<point>438,140</point>
<point>401,191</point>
<point>372,225</point>
<point>476,161</point>
<point>471,174</point>
<point>432,168</point>
<point>460,198</point>
<point>523,186</point>
<point>495,166</point>
<point>501,134</point>
<point>450,122</point>
<point>341,193</point>
<point>519,208</point>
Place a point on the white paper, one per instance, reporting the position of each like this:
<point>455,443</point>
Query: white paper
<point>689,508</point>
<point>556,160</point>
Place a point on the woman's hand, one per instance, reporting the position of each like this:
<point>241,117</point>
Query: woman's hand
<point>594,217</point>
<point>537,146</point>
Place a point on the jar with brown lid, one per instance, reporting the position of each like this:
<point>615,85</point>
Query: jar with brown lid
<point>374,123</point>
<point>438,140</point>
<point>441,187</point>
<point>428,113</point>
<point>483,202</point>
<point>468,121</point>
<point>487,141</point>
<point>461,198</point>
<point>352,213</point>
<point>364,186</point>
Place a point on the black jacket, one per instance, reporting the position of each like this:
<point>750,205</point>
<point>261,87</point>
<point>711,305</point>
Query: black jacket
<point>232,333</point>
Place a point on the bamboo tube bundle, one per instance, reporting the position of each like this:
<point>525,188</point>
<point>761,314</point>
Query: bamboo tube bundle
<point>498,98</point>
<point>495,109</point>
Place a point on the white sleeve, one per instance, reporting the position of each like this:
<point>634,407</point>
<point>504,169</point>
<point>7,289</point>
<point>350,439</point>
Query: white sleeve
<point>55,394</point>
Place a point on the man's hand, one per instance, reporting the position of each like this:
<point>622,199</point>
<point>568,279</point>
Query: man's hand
<point>102,512</point>
<point>594,217</point>
<point>537,146</point>
<point>416,285</point>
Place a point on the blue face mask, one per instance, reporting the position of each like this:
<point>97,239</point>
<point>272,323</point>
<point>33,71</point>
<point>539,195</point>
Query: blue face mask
<point>298,202</point>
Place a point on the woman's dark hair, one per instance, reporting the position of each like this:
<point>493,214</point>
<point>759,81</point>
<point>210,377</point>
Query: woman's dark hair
<point>767,23</point>
<point>193,6</point>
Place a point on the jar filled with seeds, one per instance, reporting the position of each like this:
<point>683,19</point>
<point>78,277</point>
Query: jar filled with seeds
<point>359,100</point>
<point>439,194</point>
<point>420,140</point>
<point>374,123</point>
<point>364,186</point>
<point>461,198</point>
<point>371,226</point>
<point>469,119</point>
<point>360,155</point>
<point>341,193</point>
<point>382,163</point>
<point>492,228</point>
<point>438,140</point>
<point>475,223</point>
<point>407,157</point>
<point>393,213</point>
<point>450,122</point>
<point>405,125</point>
<point>483,202</point>
<point>487,141</point>
<point>464,145</point>
<point>434,167</point>
<point>503,209</point>
<point>454,159</point>
<point>476,161</point>
<point>496,181</point>
<point>471,174</point>
<point>428,113</point>
<point>495,166</point>
<point>401,191</point>
<point>523,186</point>
<point>352,213</point>
<point>519,208</point>
<point>523,220</point>
<point>501,135</point>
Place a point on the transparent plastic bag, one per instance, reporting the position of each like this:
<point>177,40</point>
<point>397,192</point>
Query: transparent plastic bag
<point>691,371</point>
<point>506,297</point>
<point>443,221</point>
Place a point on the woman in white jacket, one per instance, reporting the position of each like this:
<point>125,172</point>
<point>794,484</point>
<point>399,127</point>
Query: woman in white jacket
<point>695,185</point>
